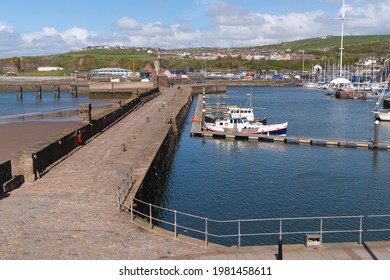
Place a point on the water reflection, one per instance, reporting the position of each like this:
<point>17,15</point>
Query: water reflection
<point>242,145</point>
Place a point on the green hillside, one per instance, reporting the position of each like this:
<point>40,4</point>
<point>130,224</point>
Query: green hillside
<point>327,42</point>
<point>80,61</point>
<point>325,49</point>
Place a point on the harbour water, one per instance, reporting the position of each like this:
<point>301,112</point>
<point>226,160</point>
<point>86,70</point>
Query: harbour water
<point>231,179</point>
<point>11,107</point>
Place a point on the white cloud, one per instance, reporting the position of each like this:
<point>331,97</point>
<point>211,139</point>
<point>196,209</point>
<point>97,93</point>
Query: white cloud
<point>370,19</point>
<point>73,34</point>
<point>226,26</point>
<point>128,24</point>
<point>4,27</point>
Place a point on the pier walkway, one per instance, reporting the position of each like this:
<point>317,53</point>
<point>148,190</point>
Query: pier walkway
<point>71,212</point>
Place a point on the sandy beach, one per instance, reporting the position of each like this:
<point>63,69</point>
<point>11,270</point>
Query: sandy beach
<point>16,136</point>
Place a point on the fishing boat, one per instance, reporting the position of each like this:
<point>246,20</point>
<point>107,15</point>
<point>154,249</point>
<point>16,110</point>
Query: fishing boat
<point>242,125</point>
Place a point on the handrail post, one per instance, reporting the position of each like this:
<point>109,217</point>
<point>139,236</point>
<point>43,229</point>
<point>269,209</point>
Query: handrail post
<point>206,233</point>
<point>150,216</point>
<point>175,224</point>
<point>321,224</point>
<point>361,230</point>
<point>280,228</point>
<point>280,241</point>
<point>239,234</point>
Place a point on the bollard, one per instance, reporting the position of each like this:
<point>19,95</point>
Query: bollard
<point>280,249</point>
<point>376,134</point>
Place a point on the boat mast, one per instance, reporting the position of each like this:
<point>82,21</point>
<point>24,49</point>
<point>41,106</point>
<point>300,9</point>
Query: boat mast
<point>250,99</point>
<point>342,18</point>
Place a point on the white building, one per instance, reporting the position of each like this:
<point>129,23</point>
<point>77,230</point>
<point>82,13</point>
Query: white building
<point>112,72</point>
<point>46,69</point>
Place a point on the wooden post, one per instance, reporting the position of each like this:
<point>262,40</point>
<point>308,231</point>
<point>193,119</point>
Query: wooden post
<point>19,94</point>
<point>38,95</point>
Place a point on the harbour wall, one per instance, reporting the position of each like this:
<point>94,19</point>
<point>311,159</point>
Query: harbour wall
<point>149,188</point>
<point>208,88</point>
<point>31,163</point>
<point>117,89</point>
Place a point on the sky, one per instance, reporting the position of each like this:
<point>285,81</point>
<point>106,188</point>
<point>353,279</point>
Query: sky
<point>42,27</point>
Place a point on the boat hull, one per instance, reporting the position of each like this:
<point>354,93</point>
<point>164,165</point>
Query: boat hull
<point>274,129</point>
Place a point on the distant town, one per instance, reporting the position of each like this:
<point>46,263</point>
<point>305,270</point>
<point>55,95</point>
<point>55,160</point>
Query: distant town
<point>217,53</point>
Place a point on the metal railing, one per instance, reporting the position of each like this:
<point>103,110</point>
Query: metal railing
<point>124,188</point>
<point>240,229</point>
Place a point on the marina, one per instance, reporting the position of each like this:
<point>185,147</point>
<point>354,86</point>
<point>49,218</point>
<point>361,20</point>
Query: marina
<point>198,129</point>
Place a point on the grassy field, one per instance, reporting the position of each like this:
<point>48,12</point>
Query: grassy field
<point>331,41</point>
<point>116,53</point>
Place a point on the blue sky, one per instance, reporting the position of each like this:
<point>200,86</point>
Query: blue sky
<point>46,27</point>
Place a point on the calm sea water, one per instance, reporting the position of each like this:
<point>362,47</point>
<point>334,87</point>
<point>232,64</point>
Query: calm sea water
<point>11,107</point>
<point>223,179</point>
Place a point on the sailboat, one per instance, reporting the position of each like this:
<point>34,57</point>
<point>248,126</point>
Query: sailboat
<point>342,85</point>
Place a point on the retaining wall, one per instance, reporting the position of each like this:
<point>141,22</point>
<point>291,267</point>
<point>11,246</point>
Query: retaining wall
<point>150,187</point>
<point>197,89</point>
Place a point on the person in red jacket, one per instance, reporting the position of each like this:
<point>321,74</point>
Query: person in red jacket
<point>79,138</point>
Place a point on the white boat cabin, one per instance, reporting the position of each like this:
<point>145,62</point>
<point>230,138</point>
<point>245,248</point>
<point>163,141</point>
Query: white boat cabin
<point>238,112</point>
